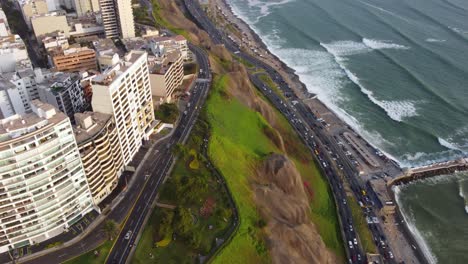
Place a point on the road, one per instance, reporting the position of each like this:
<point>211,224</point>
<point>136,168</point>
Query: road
<point>142,207</point>
<point>329,154</point>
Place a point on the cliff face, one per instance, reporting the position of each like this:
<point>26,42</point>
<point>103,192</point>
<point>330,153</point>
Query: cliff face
<point>280,196</point>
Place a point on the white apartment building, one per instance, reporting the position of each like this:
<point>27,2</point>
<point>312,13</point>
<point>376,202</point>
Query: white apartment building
<point>124,91</point>
<point>117,17</point>
<point>13,54</point>
<point>42,181</point>
<point>166,74</point>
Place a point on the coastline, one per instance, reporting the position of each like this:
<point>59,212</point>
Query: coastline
<point>301,91</point>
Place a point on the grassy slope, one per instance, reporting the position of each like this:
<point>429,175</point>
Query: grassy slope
<point>360,224</point>
<point>237,143</point>
<point>90,258</point>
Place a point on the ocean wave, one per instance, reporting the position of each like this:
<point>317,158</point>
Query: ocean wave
<point>382,44</point>
<point>264,7</point>
<point>410,222</point>
<point>459,30</point>
<point>435,40</point>
<point>396,110</point>
<point>448,144</point>
<point>411,160</point>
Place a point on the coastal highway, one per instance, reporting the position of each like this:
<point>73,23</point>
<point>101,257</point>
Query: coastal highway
<point>324,145</point>
<point>163,162</point>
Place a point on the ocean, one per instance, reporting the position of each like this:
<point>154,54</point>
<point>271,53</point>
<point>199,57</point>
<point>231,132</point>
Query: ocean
<point>397,72</point>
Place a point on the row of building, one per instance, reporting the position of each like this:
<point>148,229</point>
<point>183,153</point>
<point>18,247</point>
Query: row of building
<point>68,132</point>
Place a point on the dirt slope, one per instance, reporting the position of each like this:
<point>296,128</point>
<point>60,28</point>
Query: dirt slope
<point>281,198</point>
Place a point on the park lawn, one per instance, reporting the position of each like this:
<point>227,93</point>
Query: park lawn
<point>360,224</point>
<point>237,144</point>
<point>90,258</point>
<point>172,253</point>
<point>180,251</point>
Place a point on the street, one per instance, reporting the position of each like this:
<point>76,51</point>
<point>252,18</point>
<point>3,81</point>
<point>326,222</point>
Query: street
<point>330,156</point>
<point>142,207</point>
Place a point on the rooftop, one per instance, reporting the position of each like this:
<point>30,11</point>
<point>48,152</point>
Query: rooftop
<point>17,126</point>
<point>90,124</point>
<point>111,74</point>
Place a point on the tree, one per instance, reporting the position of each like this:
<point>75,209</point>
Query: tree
<point>110,228</point>
<point>165,227</point>
<point>183,221</point>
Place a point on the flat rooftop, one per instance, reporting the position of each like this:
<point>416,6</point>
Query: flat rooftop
<point>111,74</point>
<point>97,123</point>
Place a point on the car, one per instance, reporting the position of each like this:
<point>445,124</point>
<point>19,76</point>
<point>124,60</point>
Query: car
<point>350,244</point>
<point>355,241</point>
<point>359,257</point>
<point>350,228</point>
<point>390,254</point>
<point>344,201</point>
<point>128,235</point>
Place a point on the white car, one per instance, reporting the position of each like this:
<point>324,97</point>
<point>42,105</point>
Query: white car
<point>128,235</point>
<point>355,241</point>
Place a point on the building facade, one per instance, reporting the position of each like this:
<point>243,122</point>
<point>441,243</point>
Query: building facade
<point>166,74</point>
<point>55,22</point>
<point>42,181</point>
<point>13,54</point>
<point>63,91</point>
<point>98,142</point>
<point>124,91</point>
<point>73,59</point>
<point>30,8</point>
<point>84,7</point>
<point>117,17</point>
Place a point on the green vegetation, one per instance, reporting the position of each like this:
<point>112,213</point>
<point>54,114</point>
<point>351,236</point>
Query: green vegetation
<point>272,85</point>
<point>141,16</point>
<point>238,142</point>
<point>202,211</point>
<point>56,244</point>
<point>95,256</point>
<point>111,229</point>
<point>161,22</point>
<point>167,113</point>
<point>360,224</point>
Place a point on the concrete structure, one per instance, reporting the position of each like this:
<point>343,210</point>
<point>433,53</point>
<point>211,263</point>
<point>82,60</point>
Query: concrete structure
<point>85,26</point>
<point>380,188</point>
<point>18,89</point>
<point>73,59</point>
<point>4,29</point>
<point>108,54</point>
<point>166,64</point>
<point>50,23</point>
<point>84,7</point>
<point>166,74</point>
<point>168,44</point>
<point>117,17</point>
<point>13,54</point>
<point>42,181</point>
<point>55,40</point>
<point>63,91</point>
<point>98,142</point>
<point>124,91</point>
<point>30,8</point>
<point>4,17</point>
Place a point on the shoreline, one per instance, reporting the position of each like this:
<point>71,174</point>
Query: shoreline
<point>301,91</point>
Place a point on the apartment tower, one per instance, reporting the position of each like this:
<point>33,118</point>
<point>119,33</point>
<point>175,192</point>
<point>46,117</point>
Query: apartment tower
<point>124,91</point>
<point>42,181</point>
<point>117,17</point>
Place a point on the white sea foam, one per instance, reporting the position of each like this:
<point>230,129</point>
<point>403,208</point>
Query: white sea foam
<point>411,224</point>
<point>448,144</point>
<point>459,30</point>
<point>435,40</point>
<point>396,110</point>
<point>264,7</point>
<point>382,44</point>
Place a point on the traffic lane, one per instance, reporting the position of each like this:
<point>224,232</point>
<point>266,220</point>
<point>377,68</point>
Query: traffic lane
<point>124,246</point>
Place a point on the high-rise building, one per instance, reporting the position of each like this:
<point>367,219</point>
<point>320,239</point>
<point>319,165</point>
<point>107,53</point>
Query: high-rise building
<point>43,187</point>
<point>98,142</point>
<point>124,91</point>
<point>86,6</point>
<point>117,17</point>
<point>63,91</point>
